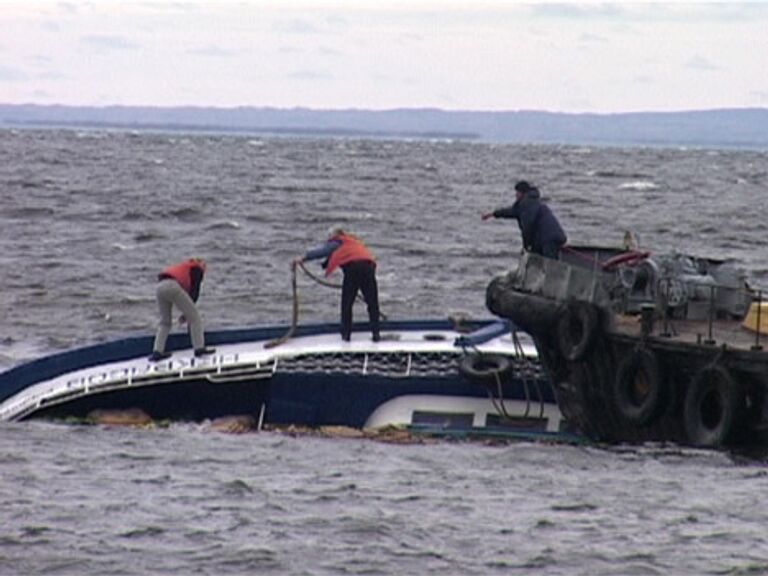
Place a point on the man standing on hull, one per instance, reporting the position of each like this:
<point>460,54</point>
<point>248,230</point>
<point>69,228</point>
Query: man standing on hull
<point>345,251</point>
<point>179,286</point>
<point>541,231</point>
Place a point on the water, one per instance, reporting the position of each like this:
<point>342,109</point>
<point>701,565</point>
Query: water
<point>88,218</point>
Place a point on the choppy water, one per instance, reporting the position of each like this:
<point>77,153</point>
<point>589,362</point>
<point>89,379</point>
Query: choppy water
<point>88,218</point>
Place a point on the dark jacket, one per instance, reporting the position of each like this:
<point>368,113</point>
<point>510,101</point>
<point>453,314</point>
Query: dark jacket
<point>541,231</point>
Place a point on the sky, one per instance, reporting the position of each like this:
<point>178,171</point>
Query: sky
<point>600,57</point>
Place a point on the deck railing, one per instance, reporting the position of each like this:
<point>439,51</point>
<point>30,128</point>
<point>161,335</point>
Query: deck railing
<point>715,310</point>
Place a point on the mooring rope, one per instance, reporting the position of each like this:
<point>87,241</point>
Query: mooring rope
<point>525,371</point>
<point>294,316</point>
<point>317,279</point>
<point>528,370</point>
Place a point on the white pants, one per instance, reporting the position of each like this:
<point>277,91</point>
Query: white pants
<point>170,294</point>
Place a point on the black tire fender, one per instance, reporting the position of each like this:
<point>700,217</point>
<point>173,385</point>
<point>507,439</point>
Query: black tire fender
<point>714,403</point>
<point>484,368</point>
<point>637,392</point>
<point>576,329</point>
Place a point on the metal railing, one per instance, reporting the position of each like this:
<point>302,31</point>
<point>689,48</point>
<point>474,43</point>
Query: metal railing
<point>670,307</point>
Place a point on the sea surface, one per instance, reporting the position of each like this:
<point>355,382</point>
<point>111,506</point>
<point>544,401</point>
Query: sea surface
<point>88,218</point>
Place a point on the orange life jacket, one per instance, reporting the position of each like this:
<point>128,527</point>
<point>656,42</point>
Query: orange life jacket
<point>351,249</point>
<point>181,272</point>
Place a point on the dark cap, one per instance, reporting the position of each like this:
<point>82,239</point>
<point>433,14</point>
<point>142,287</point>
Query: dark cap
<point>523,187</point>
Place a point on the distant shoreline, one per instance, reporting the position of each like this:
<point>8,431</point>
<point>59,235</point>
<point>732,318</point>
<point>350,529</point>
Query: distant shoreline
<point>275,131</point>
<point>726,128</point>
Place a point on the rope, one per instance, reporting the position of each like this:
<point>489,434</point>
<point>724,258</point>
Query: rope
<point>528,368</point>
<point>294,317</point>
<point>317,279</point>
<point>498,401</point>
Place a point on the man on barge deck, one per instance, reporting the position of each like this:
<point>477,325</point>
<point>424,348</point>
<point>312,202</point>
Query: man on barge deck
<point>540,229</point>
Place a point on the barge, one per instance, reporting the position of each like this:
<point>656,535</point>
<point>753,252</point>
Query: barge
<point>645,347</point>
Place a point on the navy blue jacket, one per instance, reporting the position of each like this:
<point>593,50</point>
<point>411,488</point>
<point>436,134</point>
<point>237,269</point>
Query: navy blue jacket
<point>541,231</point>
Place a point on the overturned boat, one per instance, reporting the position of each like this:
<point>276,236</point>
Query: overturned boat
<point>641,346</point>
<point>431,374</point>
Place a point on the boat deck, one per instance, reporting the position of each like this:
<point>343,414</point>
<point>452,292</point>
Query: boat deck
<point>683,331</point>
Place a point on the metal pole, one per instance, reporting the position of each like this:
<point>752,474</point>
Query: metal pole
<point>757,345</point>
<point>711,314</point>
<point>665,298</point>
<point>261,418</point>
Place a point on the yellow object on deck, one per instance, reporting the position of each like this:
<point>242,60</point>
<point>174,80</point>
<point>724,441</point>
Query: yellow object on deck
<point>751,319</point>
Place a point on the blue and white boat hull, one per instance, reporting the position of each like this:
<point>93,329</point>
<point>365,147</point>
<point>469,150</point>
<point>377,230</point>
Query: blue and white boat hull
<point>411,377</point>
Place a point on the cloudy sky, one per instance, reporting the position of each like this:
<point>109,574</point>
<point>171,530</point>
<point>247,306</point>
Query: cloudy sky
<point>452,54</point>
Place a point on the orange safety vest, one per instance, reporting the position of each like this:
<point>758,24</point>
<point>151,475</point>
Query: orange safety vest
<point>351,249</point>
<point>181,272</point>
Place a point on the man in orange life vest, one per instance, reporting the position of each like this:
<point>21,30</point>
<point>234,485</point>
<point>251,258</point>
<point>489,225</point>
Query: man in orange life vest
<point>179,285</point>
<point>359,266</point>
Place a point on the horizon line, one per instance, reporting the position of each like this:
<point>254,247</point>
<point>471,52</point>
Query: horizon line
<point>383,110</point>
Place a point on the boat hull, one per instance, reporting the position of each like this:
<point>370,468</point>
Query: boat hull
<point>313,379</point>
<point>615,387</point>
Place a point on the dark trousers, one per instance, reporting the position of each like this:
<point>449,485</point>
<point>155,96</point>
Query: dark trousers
<point>359,275</point>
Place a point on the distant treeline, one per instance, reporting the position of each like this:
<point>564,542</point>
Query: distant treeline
<point>739,128</point>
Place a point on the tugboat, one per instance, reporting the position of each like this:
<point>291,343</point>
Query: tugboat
<point>645,347</point>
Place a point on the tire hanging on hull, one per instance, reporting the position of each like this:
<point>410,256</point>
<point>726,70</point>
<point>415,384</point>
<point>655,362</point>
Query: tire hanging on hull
<point>484,368</point>
<point>714,404</point>
<point>637,388</point>
<point>576,330</point>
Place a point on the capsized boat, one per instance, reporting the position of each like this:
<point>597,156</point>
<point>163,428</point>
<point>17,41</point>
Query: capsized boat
<point>642,346</point>
<point>435,374</point>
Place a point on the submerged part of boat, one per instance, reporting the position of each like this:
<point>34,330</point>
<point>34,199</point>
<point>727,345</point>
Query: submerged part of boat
<point>645,347</point>
<point>439,374</point>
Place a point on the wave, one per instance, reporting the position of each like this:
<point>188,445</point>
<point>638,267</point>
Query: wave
<point>186,213</point>
<point>30,212</point>
<point>226,225</point>
<point>616,174</point>
<point>149,236</point>
<point>639,185</point>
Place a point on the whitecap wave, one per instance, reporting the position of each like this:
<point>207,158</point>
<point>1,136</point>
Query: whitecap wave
<point>638,185</point>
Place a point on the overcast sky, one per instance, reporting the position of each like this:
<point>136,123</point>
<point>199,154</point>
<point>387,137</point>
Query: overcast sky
<point>451,54</point>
